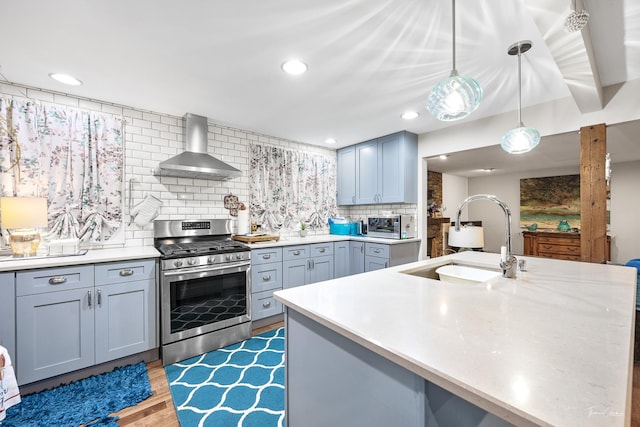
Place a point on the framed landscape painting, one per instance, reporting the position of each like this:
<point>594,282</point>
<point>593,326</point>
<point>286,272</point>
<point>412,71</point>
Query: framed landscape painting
<point>547,201</point>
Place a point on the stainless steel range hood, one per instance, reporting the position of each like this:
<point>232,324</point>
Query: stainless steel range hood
<point>195,162</point>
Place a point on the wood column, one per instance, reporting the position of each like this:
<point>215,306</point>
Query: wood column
<point>593,193</point>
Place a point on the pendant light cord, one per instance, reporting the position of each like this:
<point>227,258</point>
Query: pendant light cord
<point>520,88</point>
<point>453,26</point>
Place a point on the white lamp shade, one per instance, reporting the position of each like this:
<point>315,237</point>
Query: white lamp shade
<point>466,237</point>
<point>23,212</point>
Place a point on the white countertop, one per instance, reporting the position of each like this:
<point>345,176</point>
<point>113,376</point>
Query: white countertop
<point>323,238</point>
<point>92,256</point>
<point>551,347</point>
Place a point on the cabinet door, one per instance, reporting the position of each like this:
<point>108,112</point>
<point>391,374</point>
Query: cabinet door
<point>321,269</point>
<point>356,257</point>
<point>341,259</point>
<point>346,176</point>
<point>124,319</point>
<point>373,263</point>
<point>8,313</point>
<point>55,333</point>
<point>390,172</point>
<point>367,172</point>
<point>295,273</point>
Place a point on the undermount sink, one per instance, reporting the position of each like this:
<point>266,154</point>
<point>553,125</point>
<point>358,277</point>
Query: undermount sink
<point>455,272</point>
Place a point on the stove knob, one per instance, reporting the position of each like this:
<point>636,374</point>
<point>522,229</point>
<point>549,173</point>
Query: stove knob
<point>228,257</point>
<point>211,260</point>
<point>192,261</point>
<point>177,263</point>
<point>238,256</point>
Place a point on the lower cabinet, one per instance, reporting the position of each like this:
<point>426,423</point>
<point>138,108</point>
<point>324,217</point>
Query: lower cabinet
<point>341,261</point>
<point>378,255</point>
<point>266,277</point>
<point>304,264</point>
<point>356,257</point>
<point>8,313</point>
<point>74,317</point>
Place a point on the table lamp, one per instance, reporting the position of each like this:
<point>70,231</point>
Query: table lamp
<point>21,216</point>
<point>467,238</point>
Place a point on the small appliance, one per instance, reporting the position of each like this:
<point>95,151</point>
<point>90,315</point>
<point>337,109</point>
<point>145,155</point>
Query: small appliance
<point>392,226</point>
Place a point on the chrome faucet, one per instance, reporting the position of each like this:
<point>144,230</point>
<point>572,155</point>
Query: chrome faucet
<point>508,262</point>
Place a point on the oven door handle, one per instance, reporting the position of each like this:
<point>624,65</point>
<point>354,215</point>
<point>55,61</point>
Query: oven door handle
<point>205,269</point>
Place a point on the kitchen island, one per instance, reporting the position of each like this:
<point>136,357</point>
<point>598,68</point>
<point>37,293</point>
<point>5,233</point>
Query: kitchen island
<point>552,347</point>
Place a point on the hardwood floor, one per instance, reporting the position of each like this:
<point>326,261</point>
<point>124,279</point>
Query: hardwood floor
<point>158,410</point>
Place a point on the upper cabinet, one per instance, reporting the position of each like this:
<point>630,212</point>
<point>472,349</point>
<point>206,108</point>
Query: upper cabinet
<point>383,170</point>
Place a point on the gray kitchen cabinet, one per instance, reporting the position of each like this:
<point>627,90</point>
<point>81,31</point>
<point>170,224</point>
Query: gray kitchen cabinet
<point>341,259</point>
<point>346,169</point>
<point>266,277</point>
<point>378,255</point>
<point>356,257</point>
<point>8,313</point>
<point>386,171</point>
<point>73,317</point>
<point>304,264</point>
<point>125,314</point>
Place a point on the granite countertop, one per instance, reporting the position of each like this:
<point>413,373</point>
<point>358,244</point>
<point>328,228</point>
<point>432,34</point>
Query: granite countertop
<point>551,347</point>
<point>8,263</point>
<point>324,238</point>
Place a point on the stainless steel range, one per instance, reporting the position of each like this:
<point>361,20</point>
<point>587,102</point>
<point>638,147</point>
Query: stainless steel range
<point>205,287</point>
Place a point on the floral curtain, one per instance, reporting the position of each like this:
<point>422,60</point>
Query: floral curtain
<point>290,186</point>
<point>74,158</point>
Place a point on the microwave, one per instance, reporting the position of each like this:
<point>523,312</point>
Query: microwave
<point>392,226</point>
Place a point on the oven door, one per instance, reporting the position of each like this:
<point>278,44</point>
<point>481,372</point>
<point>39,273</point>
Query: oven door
<point>198,300</point>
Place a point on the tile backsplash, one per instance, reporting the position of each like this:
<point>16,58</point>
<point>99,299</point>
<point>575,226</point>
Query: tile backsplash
<point>151,137</point>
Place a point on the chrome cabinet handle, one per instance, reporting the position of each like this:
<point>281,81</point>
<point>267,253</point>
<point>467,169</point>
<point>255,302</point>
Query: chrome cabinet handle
<point>99,297</point>
<point>125,273</point>
<point>266,277</point>
<point>58,280</point>
<point>89,298</point>
<point>376,250</point>
<point>313,264</point>
<point>266,256</point>
<point>321,250</point>
<point>386,264</point>
<point>266,304</point>
<point>353,199</point>
<point>296,252</point>
<point>362,249</point>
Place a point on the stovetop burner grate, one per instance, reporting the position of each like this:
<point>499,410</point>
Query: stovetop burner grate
<point>201,248</point>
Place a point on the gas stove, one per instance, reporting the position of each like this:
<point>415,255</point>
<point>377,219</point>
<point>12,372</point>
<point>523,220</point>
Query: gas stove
<point>187,243</point>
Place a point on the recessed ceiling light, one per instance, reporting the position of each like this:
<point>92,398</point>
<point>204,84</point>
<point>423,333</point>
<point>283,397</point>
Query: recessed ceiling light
<point>487,170</point>
<point>294,67</point>
<point>66,79</point>
<point>330,141</point>
<point>443,156</point>
<point>410,115</point>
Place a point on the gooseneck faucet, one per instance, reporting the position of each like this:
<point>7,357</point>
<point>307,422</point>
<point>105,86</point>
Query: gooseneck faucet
<point>508,262</point>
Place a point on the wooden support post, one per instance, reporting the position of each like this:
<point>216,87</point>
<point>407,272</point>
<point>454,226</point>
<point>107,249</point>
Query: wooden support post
<point>593,193</point>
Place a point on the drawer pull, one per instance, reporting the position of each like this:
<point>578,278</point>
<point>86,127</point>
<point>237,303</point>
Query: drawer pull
<point>266,277</point>
<point>99,295</point>
<point>266,256</point>
<point>266,304</point>
<point>321,250</point>
<point>58,280</point>
<point>376,250</point>
<point>89,298</point>
<point>296,252</point>
<point>125,273</point>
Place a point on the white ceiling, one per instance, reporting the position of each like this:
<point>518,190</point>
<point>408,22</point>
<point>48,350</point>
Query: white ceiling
<point>369,60</point>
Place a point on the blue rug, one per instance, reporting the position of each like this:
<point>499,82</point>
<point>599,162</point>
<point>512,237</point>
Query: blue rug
<point>83,401</point>
<point>239,385</point>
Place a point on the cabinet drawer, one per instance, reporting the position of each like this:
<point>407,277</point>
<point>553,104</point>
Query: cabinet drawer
<point>295,252</point>
<point>53,279</point>
<point>561,240</point>
<point>544,248</point>
<point>120,272</point>
<point>377,250</point>
<point>263,304</point>
<point>321,249</point>
<point>266,276</point>
<point>262,256</point>
<point>561,256</point>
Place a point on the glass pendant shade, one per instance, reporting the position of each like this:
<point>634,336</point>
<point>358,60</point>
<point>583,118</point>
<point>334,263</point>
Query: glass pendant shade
<point>454,98</point>
<point>576,21</point>
<point>520,140</point>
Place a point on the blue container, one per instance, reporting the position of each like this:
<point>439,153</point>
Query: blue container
<point>342,229</point>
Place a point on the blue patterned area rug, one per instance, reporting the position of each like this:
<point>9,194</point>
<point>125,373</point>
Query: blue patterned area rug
<point>239,385</point>
<point>88,401</point>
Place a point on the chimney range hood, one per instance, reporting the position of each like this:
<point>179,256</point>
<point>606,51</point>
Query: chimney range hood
<point>195,162</point>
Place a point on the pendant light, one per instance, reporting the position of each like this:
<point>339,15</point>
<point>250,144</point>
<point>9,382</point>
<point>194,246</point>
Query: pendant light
<point>520,139</point>
<point>458,96</point>
<point>576,20</point>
